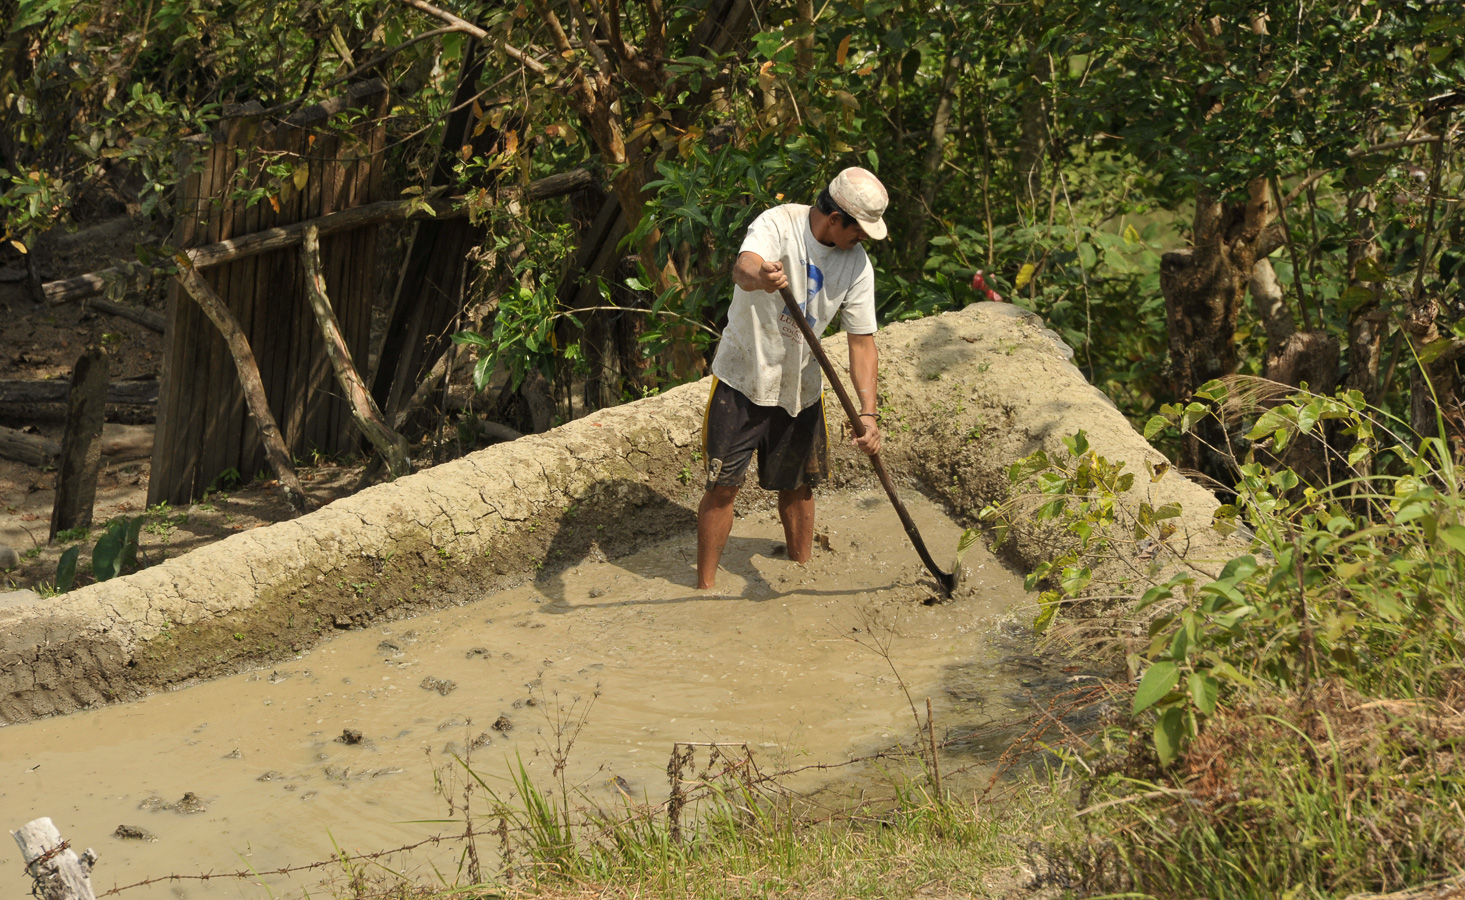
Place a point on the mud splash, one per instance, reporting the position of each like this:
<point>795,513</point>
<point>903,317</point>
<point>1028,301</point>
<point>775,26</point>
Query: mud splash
<point>337,748</point>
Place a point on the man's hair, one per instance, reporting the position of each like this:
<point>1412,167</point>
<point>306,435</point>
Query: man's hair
<point>826,205</point>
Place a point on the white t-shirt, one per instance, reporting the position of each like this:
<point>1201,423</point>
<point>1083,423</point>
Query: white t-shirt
<point>762,354</point>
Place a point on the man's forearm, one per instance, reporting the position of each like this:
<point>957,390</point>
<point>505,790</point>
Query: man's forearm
<point>864,368</point>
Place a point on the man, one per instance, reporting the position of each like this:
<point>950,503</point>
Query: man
<point>767,390</point>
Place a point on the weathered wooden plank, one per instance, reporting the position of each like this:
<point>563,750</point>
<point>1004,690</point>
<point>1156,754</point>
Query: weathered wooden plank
<point>314,202</point>
<point>174,465</point>
<point>81,448</point>
<point>219,388</point>
<point>58,872</point>
<point>244,300</point>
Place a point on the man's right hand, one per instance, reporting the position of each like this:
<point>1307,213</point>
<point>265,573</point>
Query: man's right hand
<point>754,273</point>
<point>773,276</point>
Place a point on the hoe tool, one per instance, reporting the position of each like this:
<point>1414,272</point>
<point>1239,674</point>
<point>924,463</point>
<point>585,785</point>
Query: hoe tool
<point>946,580</point>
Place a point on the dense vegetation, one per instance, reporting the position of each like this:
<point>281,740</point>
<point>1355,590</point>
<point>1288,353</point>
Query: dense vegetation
<point>1191,194</point>
<point>1116,167</point>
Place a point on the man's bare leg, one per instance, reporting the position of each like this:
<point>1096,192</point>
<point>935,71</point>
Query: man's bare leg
<point>714,524</point>
<point>796,511</point>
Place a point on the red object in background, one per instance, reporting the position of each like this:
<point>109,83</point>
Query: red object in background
<point>979,283</point>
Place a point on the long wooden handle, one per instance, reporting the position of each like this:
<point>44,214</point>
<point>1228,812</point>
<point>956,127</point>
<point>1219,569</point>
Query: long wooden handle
<point>946,580</point>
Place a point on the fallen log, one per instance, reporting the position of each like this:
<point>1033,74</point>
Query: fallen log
<point>143,317</point>
<point>136,393</point>
<point>58,872</point>
<point>254,389</point>
<point>94,283</point>
<point>27,448</point>
<point>391,445</point>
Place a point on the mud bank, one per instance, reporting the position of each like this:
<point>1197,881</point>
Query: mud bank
<point>964,395</point>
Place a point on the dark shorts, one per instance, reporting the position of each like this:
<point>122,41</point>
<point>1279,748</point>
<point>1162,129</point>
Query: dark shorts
<point>793,451</point>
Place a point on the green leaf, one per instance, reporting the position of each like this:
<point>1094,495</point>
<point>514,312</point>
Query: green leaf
<point>1075,579</point>
<point>1154,426</point>
<point>1087,256</point>
<point>66,569</point>
<point>1454,536</point>
<point>1434,350</point>
<point>1203,692</point>
<point>1154,595</point>
<point>1169,735</point>
<point>1239,569</point>
<point>1354,297</point>
<point>107,554</point>
<point>1230,673</point>
<point>1045,617</point>
<point>1180,644</point>
<point>482,372</point>
<point>1194,412</point>
<point>1370,270</point>
<point>964,543</point>
<point>1159,680</point>
<point>128,556</point>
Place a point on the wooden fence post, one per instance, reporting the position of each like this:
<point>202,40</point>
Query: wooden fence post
<point>59,873</point>
<point>81,447</point>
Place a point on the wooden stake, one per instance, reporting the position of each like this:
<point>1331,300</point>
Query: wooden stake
<point>59,873</point>
<point>254,389</point>
<point>391,445</point>
<point>935,762</point>
<point>81,447</point>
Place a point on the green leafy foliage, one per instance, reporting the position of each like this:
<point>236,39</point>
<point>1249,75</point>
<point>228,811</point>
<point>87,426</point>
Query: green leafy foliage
<point>66,569</point>
<point>116,549</point>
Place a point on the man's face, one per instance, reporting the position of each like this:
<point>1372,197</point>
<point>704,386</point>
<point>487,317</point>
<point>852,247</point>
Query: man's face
<point>847,232</point>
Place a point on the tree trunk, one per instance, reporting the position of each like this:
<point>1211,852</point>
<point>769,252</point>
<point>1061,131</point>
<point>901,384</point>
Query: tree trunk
<point>391,445</point>
<point>1203,287</point>
<point>254,389</point>
<point>1033,128</point>
<point>804,62</point>
<point>935,153</point>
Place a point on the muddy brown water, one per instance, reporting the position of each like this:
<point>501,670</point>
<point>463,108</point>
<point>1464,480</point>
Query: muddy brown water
<point>780,657</point>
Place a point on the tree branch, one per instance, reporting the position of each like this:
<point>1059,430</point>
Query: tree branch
<point>391,445</point>
<point>254,389</point>
<point>467,27</point>
<point>1314,177</point>
<point>602,62</point>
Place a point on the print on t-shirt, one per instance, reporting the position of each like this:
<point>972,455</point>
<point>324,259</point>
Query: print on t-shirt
<point>786,325</point>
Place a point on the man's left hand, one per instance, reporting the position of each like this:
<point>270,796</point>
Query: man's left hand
<point>869,442</point>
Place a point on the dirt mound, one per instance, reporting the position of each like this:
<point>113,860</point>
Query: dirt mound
<point>963,394</point>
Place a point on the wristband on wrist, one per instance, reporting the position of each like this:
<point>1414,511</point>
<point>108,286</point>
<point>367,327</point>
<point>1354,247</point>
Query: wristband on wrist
<point>875,416</point>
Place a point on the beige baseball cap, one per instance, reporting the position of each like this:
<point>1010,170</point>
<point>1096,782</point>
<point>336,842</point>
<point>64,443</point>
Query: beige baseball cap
<point>859,193</point>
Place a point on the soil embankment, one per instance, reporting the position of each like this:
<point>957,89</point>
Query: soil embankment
<point>964,395</point>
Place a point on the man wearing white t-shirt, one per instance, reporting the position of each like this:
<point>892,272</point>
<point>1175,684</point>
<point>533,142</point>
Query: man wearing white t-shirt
<point>767,390</point>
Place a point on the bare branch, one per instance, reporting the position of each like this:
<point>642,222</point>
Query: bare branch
<point>467,27</point>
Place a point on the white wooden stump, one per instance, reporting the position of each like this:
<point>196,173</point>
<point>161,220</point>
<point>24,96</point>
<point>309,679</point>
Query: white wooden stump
<point>59,873</point>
